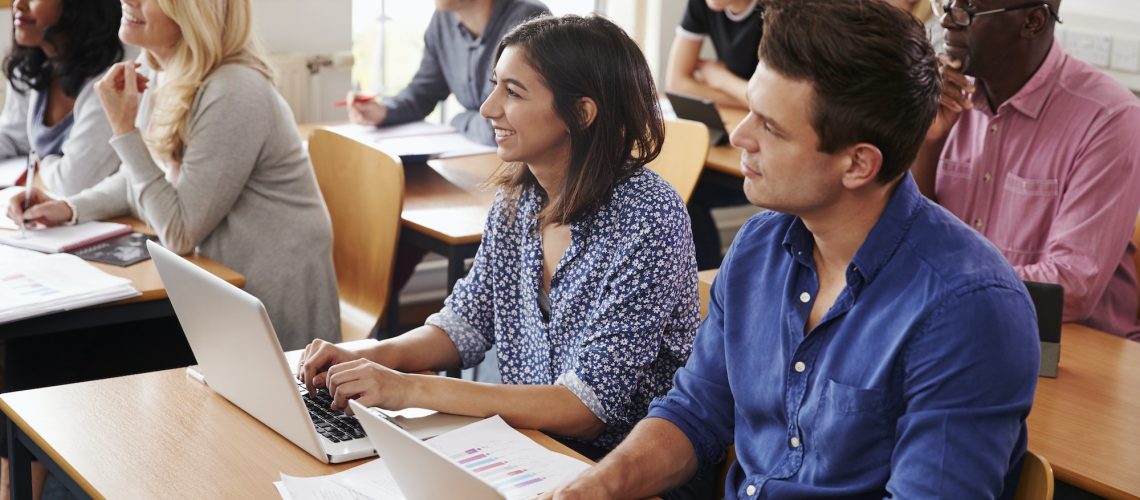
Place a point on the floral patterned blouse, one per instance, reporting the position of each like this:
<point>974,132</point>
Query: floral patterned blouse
<point>623,301</point>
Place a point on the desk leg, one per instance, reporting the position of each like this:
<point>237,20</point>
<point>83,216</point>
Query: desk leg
<point>21,451</point>
<point>19,464</point>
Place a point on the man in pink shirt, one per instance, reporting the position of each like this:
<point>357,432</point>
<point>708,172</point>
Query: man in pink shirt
<point>1040,153</point>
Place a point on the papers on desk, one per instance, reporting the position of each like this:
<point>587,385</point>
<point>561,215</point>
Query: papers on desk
<point>11,169</point>
<point>416,142</point>
<point>499,455</point>
<point>64,238</point>
<point>33,284</point>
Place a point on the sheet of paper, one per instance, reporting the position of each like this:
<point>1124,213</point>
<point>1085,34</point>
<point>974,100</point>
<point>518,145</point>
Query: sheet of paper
<point>50,283</point>
<point>11,169</point>
<point>506,459</point>
<point>369,480</point>
<point>416,139</point>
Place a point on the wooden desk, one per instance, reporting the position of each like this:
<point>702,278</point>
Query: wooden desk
<point>159,435</point>
<point>445,207</point>
<point>1086,421</point>
<point>152,303</point>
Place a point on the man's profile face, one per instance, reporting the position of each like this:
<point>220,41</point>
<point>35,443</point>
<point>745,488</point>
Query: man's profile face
<point>985,47</point>
<point>783,168</point>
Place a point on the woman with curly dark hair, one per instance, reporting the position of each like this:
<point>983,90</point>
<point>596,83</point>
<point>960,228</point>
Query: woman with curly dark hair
<point>51,111</point>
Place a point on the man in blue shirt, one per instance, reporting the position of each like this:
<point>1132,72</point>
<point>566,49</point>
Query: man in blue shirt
<point>861,341</point>
<point>459,46</point>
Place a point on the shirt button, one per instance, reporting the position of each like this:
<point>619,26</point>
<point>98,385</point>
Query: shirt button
<point>800,366</point>
<point>805,297</point>
<point>750,490</point>
<point>987,177</point>
<point>978,223</point>
<point>993,128</point>
<point>795,442</point>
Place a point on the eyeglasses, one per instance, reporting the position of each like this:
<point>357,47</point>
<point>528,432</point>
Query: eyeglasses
<point>964,16</point>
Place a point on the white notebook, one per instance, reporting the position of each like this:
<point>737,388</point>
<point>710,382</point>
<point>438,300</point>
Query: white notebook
<point>64,238</point>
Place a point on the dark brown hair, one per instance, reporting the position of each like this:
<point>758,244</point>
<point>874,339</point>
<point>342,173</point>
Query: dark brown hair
<point>589,57</point>
<point>871,66</point>
<point>90,31</point>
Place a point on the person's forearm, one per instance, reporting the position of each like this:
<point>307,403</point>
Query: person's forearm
<point>691,86</point>
<point>925,167</point>
<point>734,88</point>
<point>426,348</point>
<point>654,458</point>
<point>551,408</point>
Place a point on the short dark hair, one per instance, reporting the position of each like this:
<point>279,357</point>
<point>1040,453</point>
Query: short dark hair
<point>872,68</point>
<point>589,57</point>
<point>90,29</point>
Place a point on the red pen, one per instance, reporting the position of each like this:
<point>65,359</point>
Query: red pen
<point>357,99</point>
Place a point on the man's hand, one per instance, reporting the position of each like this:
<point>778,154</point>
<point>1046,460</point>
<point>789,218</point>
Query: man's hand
<point>957,95</point>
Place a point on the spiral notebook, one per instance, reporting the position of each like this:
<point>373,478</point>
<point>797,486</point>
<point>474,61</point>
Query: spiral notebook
<point>64,238</point>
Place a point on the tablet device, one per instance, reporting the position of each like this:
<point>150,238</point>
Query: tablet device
<point>701,110</point>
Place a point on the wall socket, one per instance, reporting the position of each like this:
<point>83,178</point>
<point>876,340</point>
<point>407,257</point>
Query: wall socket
<point>1125,54</point>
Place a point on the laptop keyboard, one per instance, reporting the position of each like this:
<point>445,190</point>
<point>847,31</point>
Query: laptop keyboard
<point>332,424</point>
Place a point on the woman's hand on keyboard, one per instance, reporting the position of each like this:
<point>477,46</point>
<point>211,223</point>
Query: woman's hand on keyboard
<point>316,360</point>
<point>370,384</point>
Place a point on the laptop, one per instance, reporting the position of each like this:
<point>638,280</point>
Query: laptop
<point>1049,301</point>
<point>421,471</point>
<point>701,110</point>
<point>241,359</point>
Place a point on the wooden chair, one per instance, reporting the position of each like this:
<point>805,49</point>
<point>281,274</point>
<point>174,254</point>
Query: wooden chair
<point>1036,481</point>
<point>364,190</point>
<point>682,155</point>
<point>1136,256</point>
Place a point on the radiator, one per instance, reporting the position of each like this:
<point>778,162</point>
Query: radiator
<point>311,83</point>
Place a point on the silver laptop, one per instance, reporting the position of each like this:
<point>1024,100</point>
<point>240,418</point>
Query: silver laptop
<point>421,472</point>
<point>240,357</point>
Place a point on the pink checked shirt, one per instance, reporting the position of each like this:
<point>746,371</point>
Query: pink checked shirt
<point>1052,180</point>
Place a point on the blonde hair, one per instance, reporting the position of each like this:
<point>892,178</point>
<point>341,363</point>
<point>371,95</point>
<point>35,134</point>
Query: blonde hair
<point>214,33</point>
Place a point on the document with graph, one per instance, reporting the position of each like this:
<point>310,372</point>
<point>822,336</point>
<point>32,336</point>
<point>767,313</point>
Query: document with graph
<point>32,284</point>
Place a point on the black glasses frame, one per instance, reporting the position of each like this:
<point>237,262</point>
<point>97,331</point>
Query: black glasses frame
<point>964,16</point>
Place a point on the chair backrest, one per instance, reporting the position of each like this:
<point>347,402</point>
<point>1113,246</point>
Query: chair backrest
<point>1036,482</point>
<point>682,155</point>
<point>363,188</point>
<point>1136,256</point>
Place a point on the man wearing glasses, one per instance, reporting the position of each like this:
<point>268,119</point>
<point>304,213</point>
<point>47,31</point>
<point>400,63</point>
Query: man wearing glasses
<point>1038,152</point>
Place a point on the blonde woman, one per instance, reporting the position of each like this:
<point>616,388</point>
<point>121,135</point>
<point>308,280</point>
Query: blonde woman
<point>212,160</point>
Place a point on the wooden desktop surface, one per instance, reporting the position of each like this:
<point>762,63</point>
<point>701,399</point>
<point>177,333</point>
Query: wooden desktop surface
<point>145,277</point>
<point>726,159</point>
<point>447,199</point>
<point>164,435</point>
<point>1086,421</point>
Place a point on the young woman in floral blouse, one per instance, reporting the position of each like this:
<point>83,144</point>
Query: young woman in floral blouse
<point>585,280</point>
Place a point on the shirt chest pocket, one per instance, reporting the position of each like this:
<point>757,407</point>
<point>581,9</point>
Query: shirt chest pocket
<point>1025,214</point>
<point>853,428</point>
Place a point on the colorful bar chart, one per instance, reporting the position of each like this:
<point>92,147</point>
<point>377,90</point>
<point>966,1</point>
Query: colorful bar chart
<point>498,472</point>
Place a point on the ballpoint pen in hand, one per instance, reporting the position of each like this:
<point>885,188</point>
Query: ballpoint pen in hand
<point>29,176</point>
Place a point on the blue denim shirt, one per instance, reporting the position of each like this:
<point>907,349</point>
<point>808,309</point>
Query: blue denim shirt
<point>915,384</point>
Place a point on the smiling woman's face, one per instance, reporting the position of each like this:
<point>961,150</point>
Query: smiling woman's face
<point>31,20</point>
<point>145,25</point>
<point>521,110</point>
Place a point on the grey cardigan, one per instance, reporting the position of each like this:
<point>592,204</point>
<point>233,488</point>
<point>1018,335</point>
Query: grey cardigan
<point>245,196</point>
<point>87,157</point>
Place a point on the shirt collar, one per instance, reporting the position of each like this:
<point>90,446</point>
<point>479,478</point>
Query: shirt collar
<point>743,14</point>
<point>497,8</point>
<point>881,243</point>
<point>1030,99</point>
